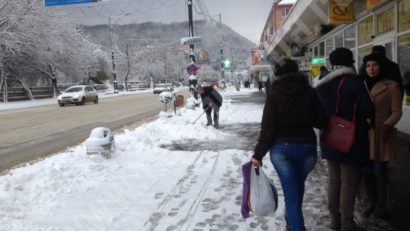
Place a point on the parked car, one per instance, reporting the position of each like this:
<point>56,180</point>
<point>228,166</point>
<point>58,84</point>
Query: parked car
<point>78,95</point>
<point>160,87</point>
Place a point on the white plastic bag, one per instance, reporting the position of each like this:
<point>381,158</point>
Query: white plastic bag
<point>263,196</point>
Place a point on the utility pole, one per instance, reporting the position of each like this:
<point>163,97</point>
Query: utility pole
<point>191,31</point>
<point>222,49</point>
<point>114,73</point>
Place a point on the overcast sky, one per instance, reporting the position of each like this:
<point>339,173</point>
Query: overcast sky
<point>247,17</point>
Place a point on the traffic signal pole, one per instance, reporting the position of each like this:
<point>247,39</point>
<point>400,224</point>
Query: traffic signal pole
<point>191,31</point>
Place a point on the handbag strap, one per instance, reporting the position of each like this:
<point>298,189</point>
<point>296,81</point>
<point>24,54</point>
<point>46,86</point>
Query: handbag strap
<point>338,94</point>
<point>338,99</point>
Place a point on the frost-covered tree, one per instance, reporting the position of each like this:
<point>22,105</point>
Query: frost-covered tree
<point>39,46</point>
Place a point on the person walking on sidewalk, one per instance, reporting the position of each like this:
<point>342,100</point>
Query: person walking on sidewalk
<point>211,101</point>
<point>387,98</point>
<point>345,168</point>
<point>292,109</point>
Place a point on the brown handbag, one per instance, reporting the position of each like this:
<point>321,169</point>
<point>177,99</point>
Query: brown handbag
<point>340,133</point>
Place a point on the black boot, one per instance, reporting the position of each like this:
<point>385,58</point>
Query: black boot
<point>381,205</point>
<point>371,194</point>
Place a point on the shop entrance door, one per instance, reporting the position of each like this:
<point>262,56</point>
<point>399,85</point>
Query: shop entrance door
<point>389,45</point>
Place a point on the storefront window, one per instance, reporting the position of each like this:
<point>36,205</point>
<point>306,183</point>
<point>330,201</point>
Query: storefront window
<point>322,49</point>
<point>404,15</point>
<point>329,46</point>
<point>366,30</point>
<point>404,61</point>
<point>385,21</point>
<point>339,40</point>
<point>316,51</point>
<point>362,53</point>
<point>350,40</point>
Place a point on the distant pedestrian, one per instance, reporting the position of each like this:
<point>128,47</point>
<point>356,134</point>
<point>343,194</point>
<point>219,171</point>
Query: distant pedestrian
<point>260,86</point>
<point>345,168</point>
<point>387,99</point>
<point>211,101</point>
<point>292,110</point>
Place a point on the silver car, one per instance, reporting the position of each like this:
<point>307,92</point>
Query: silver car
<point>78,95</point>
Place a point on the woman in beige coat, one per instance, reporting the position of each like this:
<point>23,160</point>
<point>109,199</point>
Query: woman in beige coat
<point>387,98</point>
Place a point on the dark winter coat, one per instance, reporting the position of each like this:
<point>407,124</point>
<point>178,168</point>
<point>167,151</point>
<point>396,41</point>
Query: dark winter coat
<point>292,110</point>
<point>353,90</point>
<point>210,95</point>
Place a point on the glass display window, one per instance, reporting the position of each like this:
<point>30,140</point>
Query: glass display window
<point>403,56</point>
<point>366,30</point>
<point>350,37</point>
<point>339,40</point>
<point>403,15</point>
<point>385,21</point>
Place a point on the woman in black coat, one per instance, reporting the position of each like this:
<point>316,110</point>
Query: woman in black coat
<point>292,110</point>
<point>345,168</point>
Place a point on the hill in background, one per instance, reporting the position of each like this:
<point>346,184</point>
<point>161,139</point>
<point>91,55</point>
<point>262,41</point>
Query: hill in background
<point>235,47</point>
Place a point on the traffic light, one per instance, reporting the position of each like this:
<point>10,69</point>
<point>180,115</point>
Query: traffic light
<point>227,63</point>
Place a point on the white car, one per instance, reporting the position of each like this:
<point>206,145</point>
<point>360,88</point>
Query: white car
<point>78,95</point>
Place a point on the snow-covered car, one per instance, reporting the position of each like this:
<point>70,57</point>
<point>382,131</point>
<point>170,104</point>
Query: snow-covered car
<point>78,95</point>
<point>161,87</point>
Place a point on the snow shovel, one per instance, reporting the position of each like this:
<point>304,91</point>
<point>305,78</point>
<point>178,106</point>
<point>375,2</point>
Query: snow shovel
<point>206,109</point>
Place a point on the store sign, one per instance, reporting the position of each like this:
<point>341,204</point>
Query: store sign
<point>370,4</point>
<point>191,40</point>
<point>66,2</point>
<point>340,11</point>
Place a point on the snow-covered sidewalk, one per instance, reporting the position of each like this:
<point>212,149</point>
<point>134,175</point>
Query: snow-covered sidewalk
<point>147,186</point>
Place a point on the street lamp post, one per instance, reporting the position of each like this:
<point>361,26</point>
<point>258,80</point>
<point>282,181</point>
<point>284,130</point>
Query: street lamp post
<point>114,72</point>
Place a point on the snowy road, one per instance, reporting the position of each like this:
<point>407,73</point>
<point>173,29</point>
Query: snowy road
<point>29,133</point>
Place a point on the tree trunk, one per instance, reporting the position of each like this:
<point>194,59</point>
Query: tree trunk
<point>28,91</point>
<point>55,88</point>
<point>3,84</point>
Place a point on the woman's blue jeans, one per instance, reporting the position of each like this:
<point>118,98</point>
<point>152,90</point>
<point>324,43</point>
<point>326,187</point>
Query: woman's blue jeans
<point>293,162</point>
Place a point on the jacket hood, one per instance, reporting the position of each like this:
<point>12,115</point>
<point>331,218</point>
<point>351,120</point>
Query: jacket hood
<point>291,84</point>
<point>333,74</point>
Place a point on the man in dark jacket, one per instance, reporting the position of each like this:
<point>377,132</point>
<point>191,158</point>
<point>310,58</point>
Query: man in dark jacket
<point>211,101</point>
<point>344,168</point>
<point>392,69</point>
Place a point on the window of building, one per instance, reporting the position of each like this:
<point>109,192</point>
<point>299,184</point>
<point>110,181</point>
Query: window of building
<point>339,40</point>
<point>365,30</point>
<point>385,21</point>
<point>316,51</point>
<point>270,30</point>
<point>403,56</point>
<point>362,53</point>
<point>329,46</point>
<point>285,12</point>
<point>403,15</point>
<point>322,49</point>
<point>350,37</point>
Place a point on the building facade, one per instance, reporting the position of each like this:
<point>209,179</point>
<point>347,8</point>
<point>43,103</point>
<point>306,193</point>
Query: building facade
<point>318,27</point>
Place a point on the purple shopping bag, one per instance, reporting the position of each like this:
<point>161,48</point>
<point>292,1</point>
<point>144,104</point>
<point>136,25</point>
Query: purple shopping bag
<point>246,171</point>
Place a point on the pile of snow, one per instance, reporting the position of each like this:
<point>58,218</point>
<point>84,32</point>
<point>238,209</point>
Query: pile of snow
<point>100,142</point>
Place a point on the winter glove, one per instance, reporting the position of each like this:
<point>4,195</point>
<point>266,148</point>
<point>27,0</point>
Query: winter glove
<point>386,131</point>
<point>210,105</point>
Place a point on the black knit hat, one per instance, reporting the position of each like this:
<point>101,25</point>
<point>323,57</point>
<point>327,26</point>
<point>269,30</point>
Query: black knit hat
<point>379,49</point>
<point>377,57</point>
<point>285,66</point>
<point>341,57</point>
